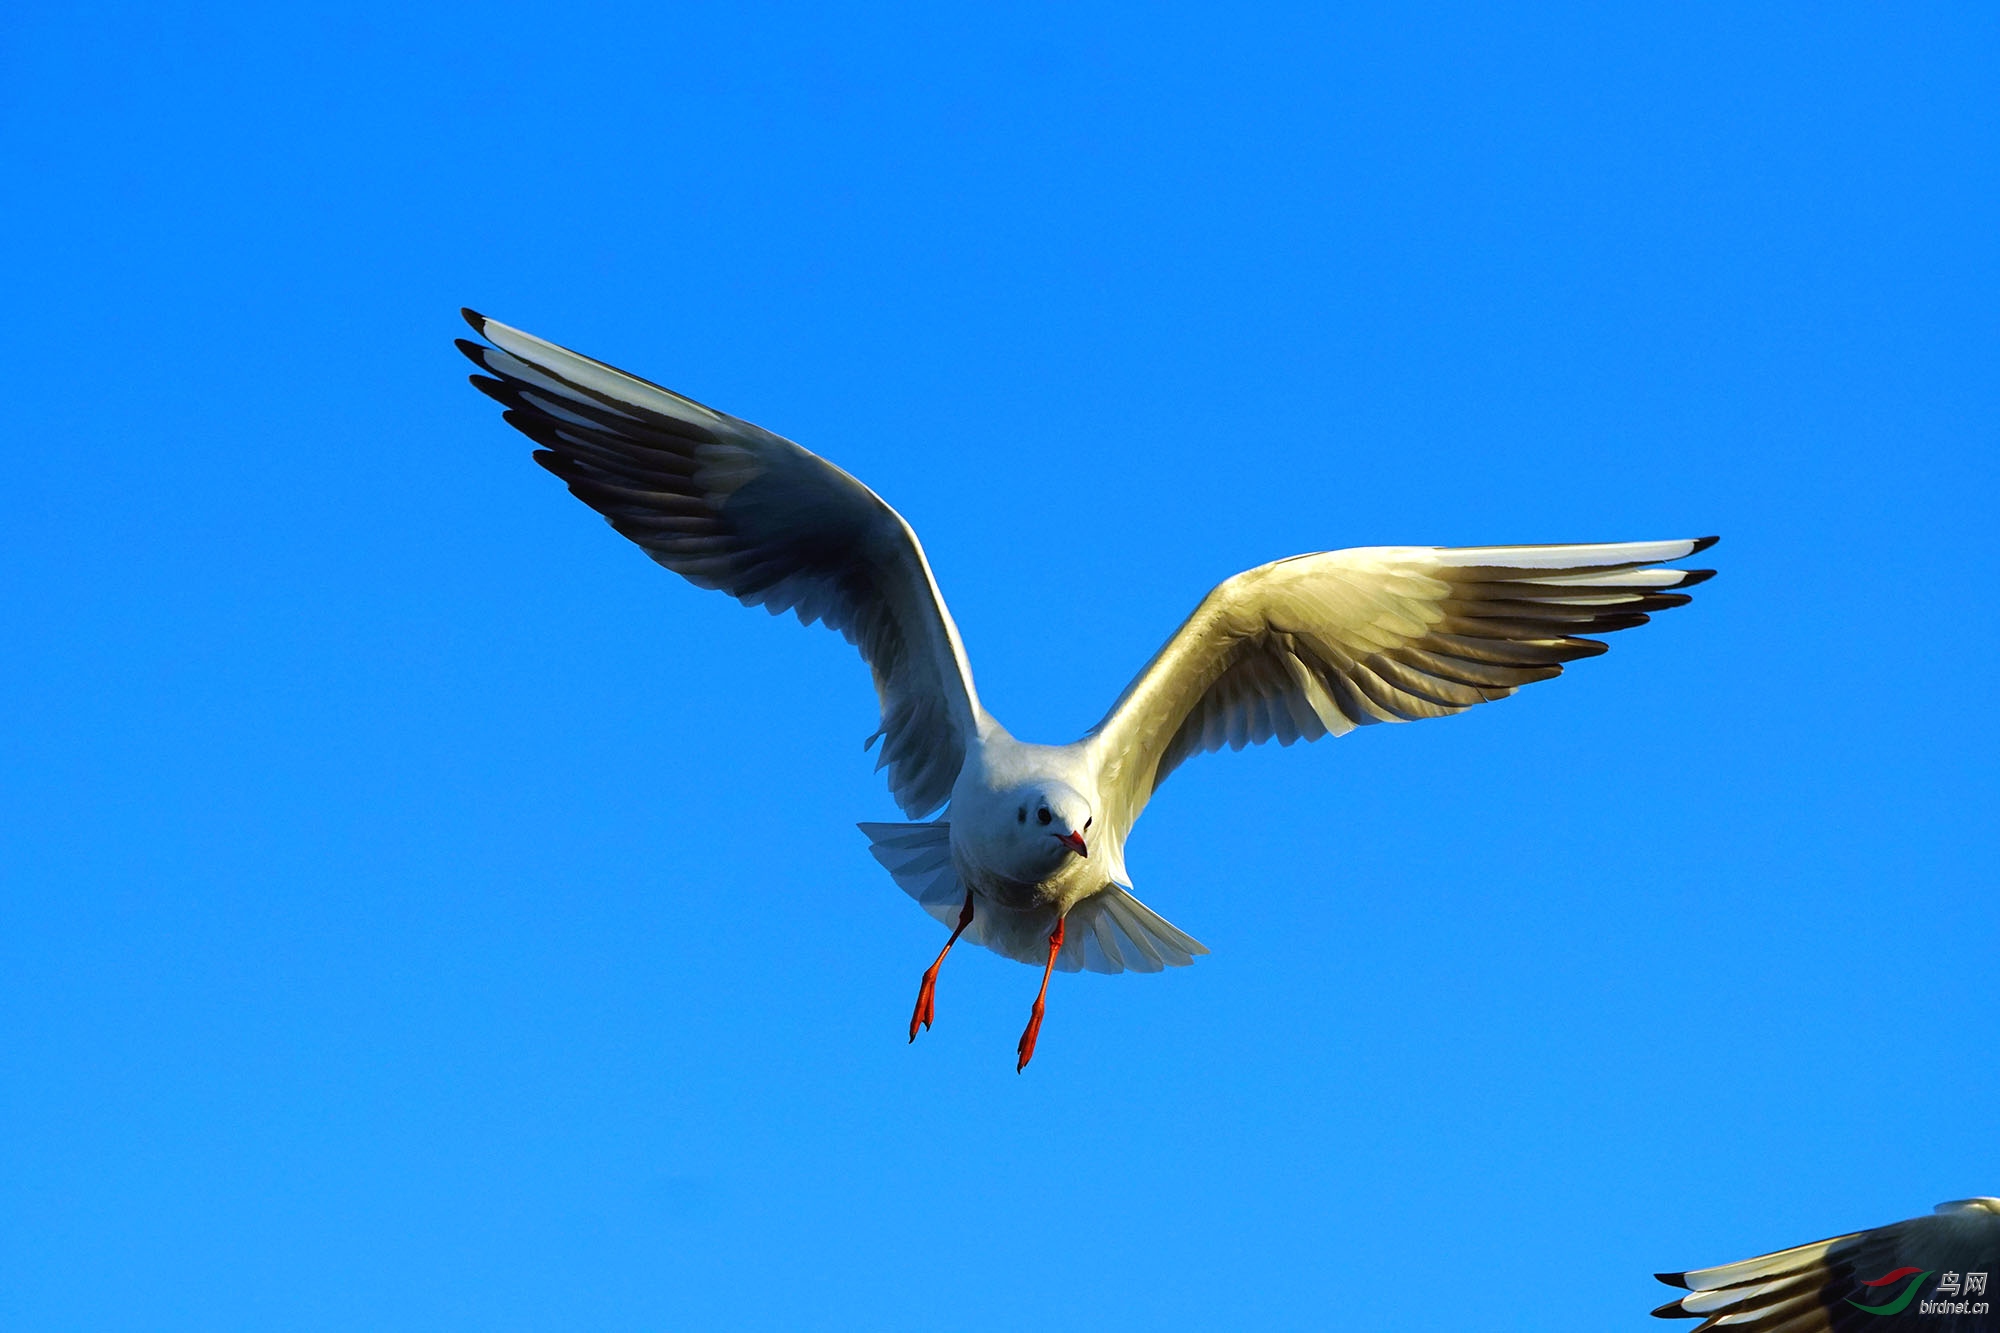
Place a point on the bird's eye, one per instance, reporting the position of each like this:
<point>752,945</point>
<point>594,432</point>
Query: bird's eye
<point>1088,822</point>
<point>1043,815</point>
<point>1021,815</point>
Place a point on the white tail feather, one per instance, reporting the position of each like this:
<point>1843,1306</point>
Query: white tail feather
<point>1109,932</point>
<point>918,858</point>
<point>1113,931</point>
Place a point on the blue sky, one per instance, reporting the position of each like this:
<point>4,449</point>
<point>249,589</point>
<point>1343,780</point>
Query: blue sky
<point>420,911</point>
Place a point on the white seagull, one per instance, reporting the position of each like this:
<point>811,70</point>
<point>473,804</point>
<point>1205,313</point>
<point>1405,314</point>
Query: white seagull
<point>1031,861</point>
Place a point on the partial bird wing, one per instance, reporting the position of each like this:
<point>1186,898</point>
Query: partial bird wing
<point>730,506</point>
<point>1320,644</point>
<point>1851,1282</point>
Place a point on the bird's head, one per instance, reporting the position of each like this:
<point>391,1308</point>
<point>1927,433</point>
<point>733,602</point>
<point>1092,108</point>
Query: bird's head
<point>1054,817</point>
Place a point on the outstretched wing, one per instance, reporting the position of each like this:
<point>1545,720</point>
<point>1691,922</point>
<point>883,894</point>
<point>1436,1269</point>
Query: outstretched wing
<point>1852,1282</point>
<point>1321,644</point>
<point>730,506</point>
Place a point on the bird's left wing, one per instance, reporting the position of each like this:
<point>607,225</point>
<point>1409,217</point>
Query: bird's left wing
<point>1854,1281</point>
<point>1321,644</point>
<point>730,506</point>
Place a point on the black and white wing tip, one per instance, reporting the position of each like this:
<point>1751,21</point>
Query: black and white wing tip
<point>1825,1286</point>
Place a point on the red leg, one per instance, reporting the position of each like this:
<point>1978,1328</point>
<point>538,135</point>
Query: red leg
<point>927,993</point>
<point>1027,1046</point>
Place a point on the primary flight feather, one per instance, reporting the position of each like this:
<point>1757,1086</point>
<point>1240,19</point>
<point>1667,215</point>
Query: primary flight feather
<point>1030,861</point>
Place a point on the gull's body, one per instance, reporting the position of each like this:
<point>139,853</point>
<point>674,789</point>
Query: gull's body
<point>1031,861</point>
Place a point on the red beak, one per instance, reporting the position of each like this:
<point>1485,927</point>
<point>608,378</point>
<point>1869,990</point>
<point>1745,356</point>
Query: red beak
<point>1073,841</point>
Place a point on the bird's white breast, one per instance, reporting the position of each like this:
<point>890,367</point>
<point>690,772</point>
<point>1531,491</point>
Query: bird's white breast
<point>992,854</point>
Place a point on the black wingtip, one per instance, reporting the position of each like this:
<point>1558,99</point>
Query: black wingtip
<point>1693,576</point>
<point>1673,1310</point>
<point>478,321</point>
<point>494,389</point>
<point>1674,1280</point>
<point>1702,544</point>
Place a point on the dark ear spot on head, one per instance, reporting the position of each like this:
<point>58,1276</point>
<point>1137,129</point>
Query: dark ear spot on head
<point>1021,815</point>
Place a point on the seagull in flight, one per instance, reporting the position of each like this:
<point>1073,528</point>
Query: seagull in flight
<point>1942,1264</point>
<point>1030,861</point>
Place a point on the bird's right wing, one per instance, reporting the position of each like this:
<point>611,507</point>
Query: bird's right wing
<point>1320,644</point>
<point>1851,1282</point>
<point>730,506</point>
